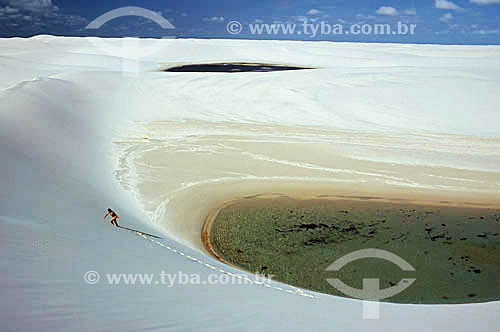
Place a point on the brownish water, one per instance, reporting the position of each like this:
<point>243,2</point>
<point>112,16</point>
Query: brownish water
<point>455,250</point>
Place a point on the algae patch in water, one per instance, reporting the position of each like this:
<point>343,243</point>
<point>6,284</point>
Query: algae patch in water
<point>455,251</point>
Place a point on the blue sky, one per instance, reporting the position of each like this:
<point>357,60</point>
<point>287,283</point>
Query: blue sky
<point>437,21</point>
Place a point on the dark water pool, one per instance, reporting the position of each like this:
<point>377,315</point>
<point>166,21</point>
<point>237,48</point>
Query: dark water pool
<point>232,68</point>
<point>455,251</point>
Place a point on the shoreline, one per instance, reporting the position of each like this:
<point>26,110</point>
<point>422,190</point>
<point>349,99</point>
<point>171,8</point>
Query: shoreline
<point>206,228</point>
<point>209,238</point>
<point>214,212</point>
<point>242,160</point>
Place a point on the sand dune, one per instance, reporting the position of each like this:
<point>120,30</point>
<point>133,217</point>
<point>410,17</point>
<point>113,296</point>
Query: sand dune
<point>164,149</point>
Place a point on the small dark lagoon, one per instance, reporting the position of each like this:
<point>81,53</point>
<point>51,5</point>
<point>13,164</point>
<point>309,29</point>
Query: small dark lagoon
<point>232,68</point>
<point>455,251</point>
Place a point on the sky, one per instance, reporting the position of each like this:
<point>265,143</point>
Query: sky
<point>435,21</point>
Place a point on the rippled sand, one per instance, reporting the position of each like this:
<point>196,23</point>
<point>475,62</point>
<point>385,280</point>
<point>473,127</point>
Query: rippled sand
<point>183,171</point>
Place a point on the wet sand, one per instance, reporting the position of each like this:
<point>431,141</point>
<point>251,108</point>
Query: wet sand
<point>184,172</point>
<point>454,248</point>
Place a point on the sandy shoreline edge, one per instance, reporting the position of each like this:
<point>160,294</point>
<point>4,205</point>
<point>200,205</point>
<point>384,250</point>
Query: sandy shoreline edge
<point>214,212</point>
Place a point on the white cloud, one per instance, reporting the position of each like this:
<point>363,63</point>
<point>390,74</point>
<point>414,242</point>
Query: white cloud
<point>411,11</point>
<point>38,13</point>
<point>487,32</point>
<point>8,10</point>
<point>485,2</point>
<point>341,21</point>
<point>298,19</point>
<point>258,20</point>
<point>445,4</point>
<point>389,11</point>
<point>446,18</point>
<point>314,12</point>
<point>365,17</point>
<point>214,19</point>
<point>37,6</point>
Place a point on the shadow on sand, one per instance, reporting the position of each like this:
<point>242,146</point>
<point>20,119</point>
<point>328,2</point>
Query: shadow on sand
<point>136,231</point>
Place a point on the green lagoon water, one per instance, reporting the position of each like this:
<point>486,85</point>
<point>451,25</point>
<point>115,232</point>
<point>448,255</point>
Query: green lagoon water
<point>455,251</point>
